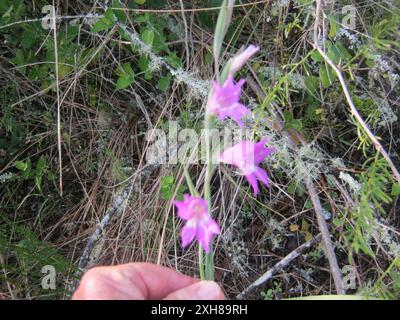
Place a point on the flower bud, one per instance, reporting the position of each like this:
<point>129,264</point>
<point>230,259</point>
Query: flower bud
<point>240,59</point>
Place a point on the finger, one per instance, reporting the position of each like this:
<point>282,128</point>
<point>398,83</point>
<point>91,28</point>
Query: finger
<point>131,281</point>
<point>204,290</point>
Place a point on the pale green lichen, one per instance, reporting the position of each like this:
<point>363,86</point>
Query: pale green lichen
<point>6,176</point>
<point>353,184</point>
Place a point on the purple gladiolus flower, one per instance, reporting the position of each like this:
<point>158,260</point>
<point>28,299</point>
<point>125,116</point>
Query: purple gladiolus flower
<point>240,59</point>
<point>247,156</point>
<point>224,101</point>
<point>199,224</point>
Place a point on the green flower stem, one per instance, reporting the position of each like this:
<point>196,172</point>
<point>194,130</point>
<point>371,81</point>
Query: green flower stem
<point>201,263</point>
<point>208,124</point>
<point>223,21</point>
<point>189,182</point>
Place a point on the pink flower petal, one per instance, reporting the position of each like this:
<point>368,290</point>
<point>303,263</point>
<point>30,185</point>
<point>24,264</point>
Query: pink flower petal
<point>251,178</point>
<point>237,111</point>
<point>247,156</point>
<point>239,155</point>
<point>224,101</point>
<point>262,175</point>
<point>261,152</point>
<point>183,211</point>
<point>205,232</point>
<point>199,224</point>
<point>188,233</point>
<point>204,239</point>
<point>212,226</point>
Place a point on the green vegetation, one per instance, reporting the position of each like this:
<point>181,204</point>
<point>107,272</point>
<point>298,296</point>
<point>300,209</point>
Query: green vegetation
<point>133,67</point>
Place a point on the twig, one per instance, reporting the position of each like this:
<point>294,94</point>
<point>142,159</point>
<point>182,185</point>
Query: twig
<point>186,34</point>
<point>242,5</point>
<point>57,18</point>
<point>330,253</point>
<point>279,266</point>
<point>116,208</point>
<point>350,102</point>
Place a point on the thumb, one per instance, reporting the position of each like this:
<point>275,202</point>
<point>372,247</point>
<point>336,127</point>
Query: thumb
<point>203,290</point>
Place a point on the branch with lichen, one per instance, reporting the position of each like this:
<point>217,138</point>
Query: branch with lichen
<point>285,262</point>
<point>116,208</point>
<point>198,86</point>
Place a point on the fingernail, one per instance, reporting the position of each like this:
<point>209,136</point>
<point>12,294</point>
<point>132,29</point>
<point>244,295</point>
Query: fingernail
<point>208,290</point>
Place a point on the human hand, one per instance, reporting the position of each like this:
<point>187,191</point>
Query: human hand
<point>142,281</point>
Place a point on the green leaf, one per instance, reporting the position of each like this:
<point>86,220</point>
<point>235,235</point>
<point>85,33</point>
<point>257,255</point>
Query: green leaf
<point>143,63</point>
<point>308,204</point>
<point>223,21</point>
<point>123,82</point>
<point>334,26</point>
<point>142,18</point>
<point>327,75</point>
<point>101,25</point>
<point>205,19</point>
<point>288,116</point>
<point>338,222</point>
<point>344,53</point>
<point>124,35</point>
<point>316,56</point>
<point>147,36</point>
<point>163,83</point>
<point>126,76</point>
<point>109,15</point>
<point>167,186</point>
<point>40,165</point>
<point>19,60</point>
<point>8,12</point>
<point>395,189</point>
<point>291,122</point>
<point>208,58</point>
<point>20,165</point>
<point>333,53</point>
<point>297,125</point>
<point>174,60</point>
<point>119,14</point>
<point>38,182</point>
<point>140,1</point>
<point>106,22</point>
<point>28,38</point>
<point>159,42</point>
<point>127,68</point>
<point>312,84</point>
